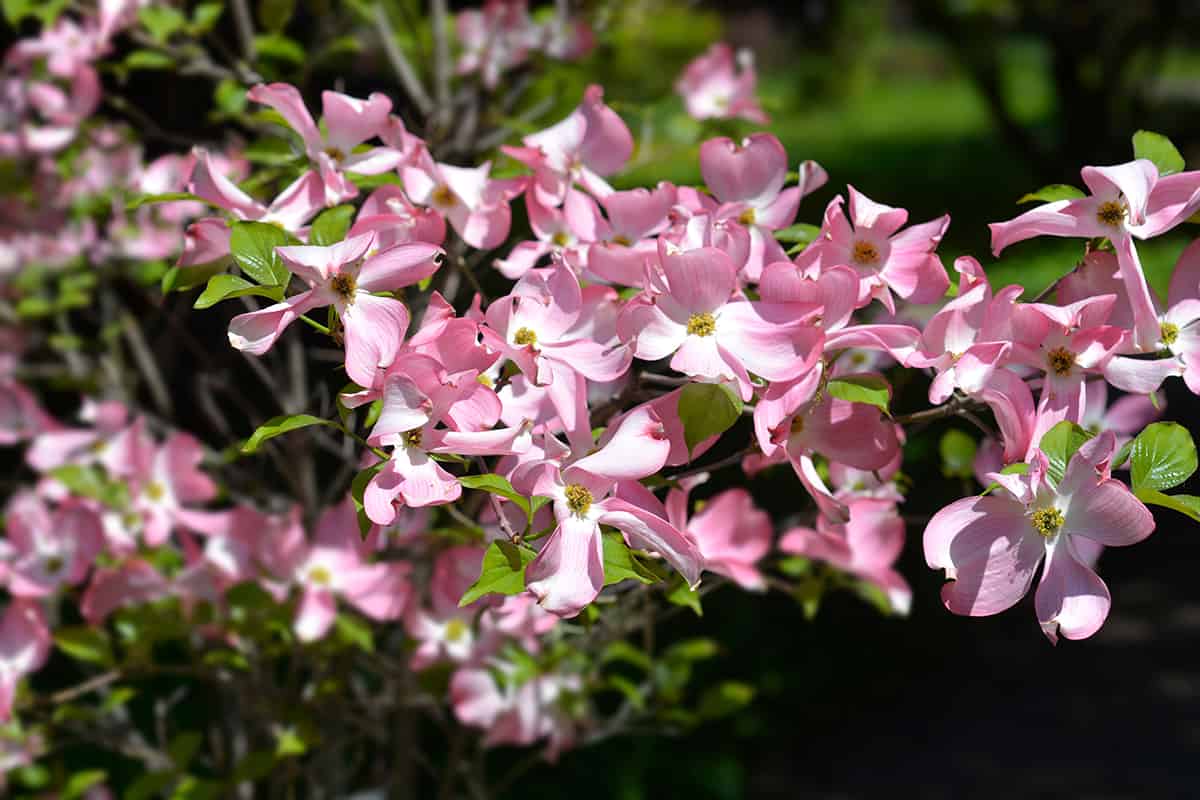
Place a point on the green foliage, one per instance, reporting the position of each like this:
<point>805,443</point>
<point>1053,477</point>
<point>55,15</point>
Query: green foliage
<point>502,571</point>
<point>277,426</point>
<point>681,594</point>
<point>225,287</point>
<point>958,454</point>
<point>707,409</point>
<point>161,21</point>
<point>1059,444</point>
<point>253,246</point>
<point>873,390</point>
<point>1159,150</point>
<point>84,643</point>
<point>1053,193</point>
<point>91,482</point>
<point>620,563</point>
<point>1163,456</point>
<point>1187,504</point>
<point>331,225</point>
<point>497,485</point>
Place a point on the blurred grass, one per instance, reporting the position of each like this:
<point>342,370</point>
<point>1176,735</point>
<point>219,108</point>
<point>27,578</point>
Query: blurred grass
<point>917,134</point>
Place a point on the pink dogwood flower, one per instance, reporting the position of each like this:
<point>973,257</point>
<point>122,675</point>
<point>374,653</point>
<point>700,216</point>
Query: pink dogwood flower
<point>713,334</point>
<point>349,122</point>
<point>476,205</point>
<point>345,275</point>
<point>714,87</point>
<point>335,565</point>
<point>1128,201</point>
<point>991,545</point>
<point>865,546</point>
<point>888,260</point>
<point>747,179</point>
<point>590,144</point>
<point>24,647</point>
<point>730,531</point>
<point>49,550</point>
<point>568,571</point>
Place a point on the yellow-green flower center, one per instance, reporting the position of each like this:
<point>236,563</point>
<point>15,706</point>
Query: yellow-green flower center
<point>1111,213</point>
<point>701,324</point>
<point>443,197</point>
<point>412,438</point>
<point>561,239</point>
<point>622,240</point>
<point>864,253</point>
<point>54,564</point>
<point>1047,521</point>
<point>747,217</point>
<point>155,490</point>
<point>455,630</point>
<point>320,576</point>
<point>334,153</point>
<point>344,284</point>
<point>1061,360</point>
<point>1169,332</point>
<point>525,336</point>
<point>579,499</point>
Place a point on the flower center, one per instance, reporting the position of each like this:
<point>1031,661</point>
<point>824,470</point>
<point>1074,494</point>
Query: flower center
<point>579,499</point>
<point>1047,521</point>
<point>442,196</point>
<point>334,153</point>
<point>344,284</point>
<point>622,240</point>
<point>53,565</point>
<point>797,424</point>
<point>455,630</point>
<point>865,253</point>
<point>1061,361</point>
<point>561,239</point>
<point>320,576</point>
<point>1111,213</point>
<point>524,336</point>
<point>1169,332</point>
<point>412,438</point>
<point>155,490</point>
<point>701,324</point>
<point>484,380</point>
<point>747,217</point>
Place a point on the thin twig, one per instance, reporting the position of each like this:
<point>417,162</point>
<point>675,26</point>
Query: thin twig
<point>245,28</point>
<point>403,68</point>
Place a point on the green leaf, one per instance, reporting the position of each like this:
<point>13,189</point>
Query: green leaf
<point>254,766</point>
<point>226,286</point>
<point>707,409</point>
<point>45,10</point>
<point>502,571</point>
<point>80,782</point>
<point>1183,503</point>
<point>1053,193</point>
<point>499,485</point>
<point>958,454</point>
<point>205,16</point>
<point>699,649</point>
<point>1059,444</point>
<point>1158,149</point>
<point>183,747</point>
<point>800,233</point>
<point>253,246</point>
<point>620,563</point>
<point>275,14</point>
<point>84,644</point>
<point>1163,456</point>
<point>1122,455</point>
<point>355,632</point>
<point>230,96</point>
<point>683,595</point>
<point>161,21</point>
<point>270,152</point>
<point>873,390</point>
<point>277,426</point>
<point>89,481</point>
<point>148,59</point>
<point>289,742</point>
<point>725,699</point>
<point>279,47</point>
<point>331,225</point>
<point>164,197</point>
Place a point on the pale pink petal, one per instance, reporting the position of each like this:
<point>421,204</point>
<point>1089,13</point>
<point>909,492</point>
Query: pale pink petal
<point>1071,599</point>
<point>374,330</point>
<point>568,572</point>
